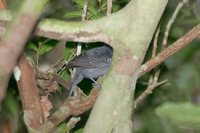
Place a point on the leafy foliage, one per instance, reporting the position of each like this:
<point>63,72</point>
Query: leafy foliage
<point>96,9</point>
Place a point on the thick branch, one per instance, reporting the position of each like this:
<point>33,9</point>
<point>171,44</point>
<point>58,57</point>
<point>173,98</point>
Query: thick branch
<point>73,31</point>
<point>13,43</point>
<point>132,33</point>
<point>25,76</point>
<point>74,106</point>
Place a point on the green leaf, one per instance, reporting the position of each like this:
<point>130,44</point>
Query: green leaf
<point>32,46</point>
<point>99,1</point>
<point>79,2</point>
<point>73,14</point>
<point>11,104</point>
<point>97,16</point>
<point>11,110</point>
<point>177,32</point>
<point>92,10</point>
<point>68,53</point>
<point>104,5</point>
<point>46,47</point>
<point>115,8</point>
<point>65,75</point>
<point>181,114</point>
<point>79,131</point>
<point>62,128</point>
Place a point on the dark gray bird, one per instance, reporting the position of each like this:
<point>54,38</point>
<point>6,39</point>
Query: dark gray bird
<point>91,64</point>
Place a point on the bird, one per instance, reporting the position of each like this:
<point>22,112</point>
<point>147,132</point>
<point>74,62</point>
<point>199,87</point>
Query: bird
<point>92,64</point>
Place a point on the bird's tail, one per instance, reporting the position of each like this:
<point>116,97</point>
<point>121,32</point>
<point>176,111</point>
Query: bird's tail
<point>76,80</point>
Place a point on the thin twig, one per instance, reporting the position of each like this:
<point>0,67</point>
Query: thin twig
<point>72,123</point>
<point>79,46</point>
<point>83,18</point>
<point>171,21</point>
<point>169,51</point>
<point>154,77</point>
<point>84,13</point>
<point>148,91</point>
<point>109,7</point>
<point>155,42</point>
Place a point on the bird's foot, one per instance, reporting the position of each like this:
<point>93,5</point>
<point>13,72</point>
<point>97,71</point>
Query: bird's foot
<point>96,85</point>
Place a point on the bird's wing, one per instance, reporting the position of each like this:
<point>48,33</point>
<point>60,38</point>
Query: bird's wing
<point>93,58</point>
<point>86,61</point>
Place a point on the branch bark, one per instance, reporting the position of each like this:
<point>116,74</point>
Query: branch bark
<point>71,107</point>
<point>33,113</point>
<point>172,49</point>
<point>13,43</point>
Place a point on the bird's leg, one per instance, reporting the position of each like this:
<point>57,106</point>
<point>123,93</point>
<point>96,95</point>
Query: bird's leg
<point>95,84</point>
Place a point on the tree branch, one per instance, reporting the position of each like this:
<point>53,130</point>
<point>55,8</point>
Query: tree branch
<point>172,49</point>
<point>109,7</point>
<point>74,106</point>
<point>13,43</point>
<point>25,77</point>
